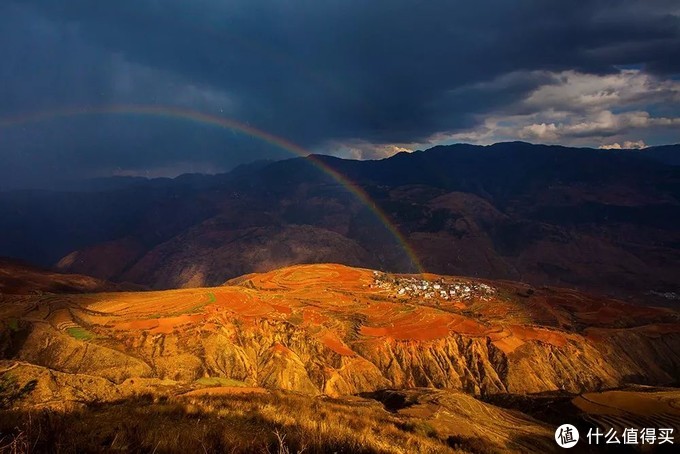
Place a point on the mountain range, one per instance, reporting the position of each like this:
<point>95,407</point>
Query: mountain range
<point>602,221</point>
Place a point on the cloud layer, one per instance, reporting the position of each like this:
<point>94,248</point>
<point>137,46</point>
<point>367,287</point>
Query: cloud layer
<point>354,78</point>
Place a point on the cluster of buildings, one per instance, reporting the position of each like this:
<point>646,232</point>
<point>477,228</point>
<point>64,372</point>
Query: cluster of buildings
<point>667,295</point>
<point>440,289</point>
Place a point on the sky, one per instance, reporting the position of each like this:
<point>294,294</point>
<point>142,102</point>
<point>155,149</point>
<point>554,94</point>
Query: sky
<point>352,78</point>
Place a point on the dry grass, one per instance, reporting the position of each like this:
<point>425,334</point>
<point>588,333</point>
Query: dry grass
<point>269,423</point>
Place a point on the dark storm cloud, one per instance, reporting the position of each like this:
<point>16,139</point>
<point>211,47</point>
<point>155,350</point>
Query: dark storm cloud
<point>318,71</point>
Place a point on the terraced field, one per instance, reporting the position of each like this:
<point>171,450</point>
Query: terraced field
<point>632,409</point>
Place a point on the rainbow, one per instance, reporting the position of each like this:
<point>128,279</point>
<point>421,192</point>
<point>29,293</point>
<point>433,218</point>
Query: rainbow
<point>224,123</point>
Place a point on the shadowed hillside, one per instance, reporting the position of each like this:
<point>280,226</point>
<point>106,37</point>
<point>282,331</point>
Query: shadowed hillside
<point>18,278</point>
<point>603,221</point>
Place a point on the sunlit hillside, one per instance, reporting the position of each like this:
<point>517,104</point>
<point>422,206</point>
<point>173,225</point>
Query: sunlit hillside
<point>422,360</point>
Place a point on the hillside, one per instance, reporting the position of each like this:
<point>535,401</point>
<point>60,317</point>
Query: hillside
<point>18,278</point>
<point>337,330</point>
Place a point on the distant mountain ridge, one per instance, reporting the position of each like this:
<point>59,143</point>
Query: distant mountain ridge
<point>669,154</point>
<point>598,220</point>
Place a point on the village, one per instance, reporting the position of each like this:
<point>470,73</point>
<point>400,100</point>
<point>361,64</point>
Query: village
<point>411,286</point>
<point>668,295</point>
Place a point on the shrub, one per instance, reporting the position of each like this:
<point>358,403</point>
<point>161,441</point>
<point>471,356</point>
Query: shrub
<point>10,391</point>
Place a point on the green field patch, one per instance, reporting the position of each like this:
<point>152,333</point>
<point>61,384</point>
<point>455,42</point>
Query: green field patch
<point>314,329</point>
<point>295,318</point>
<point>405,308</point>
<point>13,324</point>
<point>155,316</point>
<point>220,381</point>
<point>80,333</point>
<point>197,308</point>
